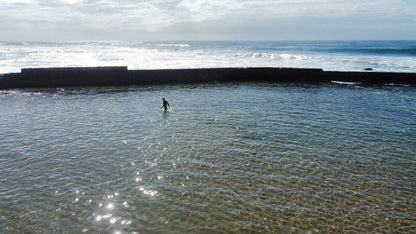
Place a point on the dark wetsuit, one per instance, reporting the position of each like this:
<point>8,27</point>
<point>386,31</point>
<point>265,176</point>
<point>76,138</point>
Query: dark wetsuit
<point>165,105</point>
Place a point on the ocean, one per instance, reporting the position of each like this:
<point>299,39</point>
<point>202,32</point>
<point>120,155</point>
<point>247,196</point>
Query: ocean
<point>228,157</point>
<point>391,56</point>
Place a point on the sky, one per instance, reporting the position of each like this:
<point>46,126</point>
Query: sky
<point>57,20</point>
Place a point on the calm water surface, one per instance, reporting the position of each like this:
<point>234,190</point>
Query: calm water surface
<point>227,158</point>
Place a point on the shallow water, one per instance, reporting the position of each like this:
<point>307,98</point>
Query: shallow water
<point>226,158</point>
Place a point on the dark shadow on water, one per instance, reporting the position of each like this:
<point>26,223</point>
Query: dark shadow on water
<point>165,114</point>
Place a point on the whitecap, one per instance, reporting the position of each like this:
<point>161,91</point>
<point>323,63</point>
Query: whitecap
<point>344,82</point>
<point>173,45</point>
<point>292,56</point>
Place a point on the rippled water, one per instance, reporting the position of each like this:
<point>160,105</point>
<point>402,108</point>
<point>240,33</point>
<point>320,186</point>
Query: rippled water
<point>391,56</point>
<point>227,158</point>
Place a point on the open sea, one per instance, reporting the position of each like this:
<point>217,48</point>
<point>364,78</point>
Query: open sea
<point>228,157</point>
<point>393,56</point>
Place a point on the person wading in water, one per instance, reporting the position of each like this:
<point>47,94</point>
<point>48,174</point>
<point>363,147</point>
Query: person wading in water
<point>165,105</point>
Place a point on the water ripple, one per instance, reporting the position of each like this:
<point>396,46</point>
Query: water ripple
<point>227,158</point>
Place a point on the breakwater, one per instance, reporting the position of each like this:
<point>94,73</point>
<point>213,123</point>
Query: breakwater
<point>121,76</point>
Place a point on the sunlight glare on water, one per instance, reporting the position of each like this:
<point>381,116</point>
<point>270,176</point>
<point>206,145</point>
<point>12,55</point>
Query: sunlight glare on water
<point>226,158</point>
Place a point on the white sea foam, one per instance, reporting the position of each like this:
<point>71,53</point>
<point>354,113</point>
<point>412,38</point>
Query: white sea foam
<point>159,55</point>
<point>345,82</point>
<point>173,45</point>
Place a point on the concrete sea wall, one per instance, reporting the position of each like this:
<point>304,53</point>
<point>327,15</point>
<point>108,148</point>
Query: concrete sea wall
<point>121,76</point>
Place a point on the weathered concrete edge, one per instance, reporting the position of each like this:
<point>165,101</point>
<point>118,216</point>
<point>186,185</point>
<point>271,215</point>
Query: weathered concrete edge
<point>121,76</point>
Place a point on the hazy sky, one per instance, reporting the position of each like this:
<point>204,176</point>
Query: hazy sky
<point>54,20</point>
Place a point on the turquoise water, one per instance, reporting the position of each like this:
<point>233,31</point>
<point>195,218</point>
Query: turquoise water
<point>226,158</point>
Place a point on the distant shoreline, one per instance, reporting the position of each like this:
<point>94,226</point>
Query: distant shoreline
<point>121,76</point>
